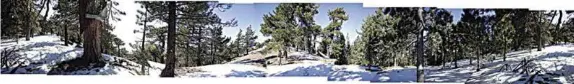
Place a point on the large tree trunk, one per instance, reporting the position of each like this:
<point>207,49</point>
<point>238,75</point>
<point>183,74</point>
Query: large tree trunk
<point>91,33</point>
<point>420,48</point>
<point>169,69</point>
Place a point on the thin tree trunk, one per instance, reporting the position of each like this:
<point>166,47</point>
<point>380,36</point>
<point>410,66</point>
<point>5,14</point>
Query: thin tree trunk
<point>478,59</point>
<point>213,51</point>
<point>46,18</point>
<point>539,36</point>
<point>119,50</point>
<point>199,47</point>
<point>66,42</point>
<point>313,45</point>
<point>168,71</point>
<point>420,48</point>
<point>280,55</point>
<point>504,53</point>
<point>553,32</point>
<point>28,24</point>
<point>456,58</point>
<point>163,49</point>
<point>443,61</point>
<point>42,22</point>
<point>144,30</point>
<point>47,10</point>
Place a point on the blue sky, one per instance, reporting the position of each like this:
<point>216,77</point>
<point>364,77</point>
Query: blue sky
<point>251,14</point>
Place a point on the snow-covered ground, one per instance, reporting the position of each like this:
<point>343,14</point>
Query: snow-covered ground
<point>42,53</point>
<point>556,64</point>
<point>300,64</point>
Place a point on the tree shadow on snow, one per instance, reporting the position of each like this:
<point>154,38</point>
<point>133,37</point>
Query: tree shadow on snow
<point>315,70</point>
<point>41,44</point>
<point>235,73</point>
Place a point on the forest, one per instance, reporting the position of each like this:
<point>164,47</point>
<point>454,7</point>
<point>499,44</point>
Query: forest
<point>193,36</point>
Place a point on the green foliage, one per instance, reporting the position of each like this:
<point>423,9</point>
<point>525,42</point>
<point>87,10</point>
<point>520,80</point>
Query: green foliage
<point>280,25</point>
<point>333,39</point>
<point>379,39</point>
<point>19,18</point>
<point>198,36</point>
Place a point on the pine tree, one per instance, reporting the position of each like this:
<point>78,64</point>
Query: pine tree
<point>309,30</point>
<point>190,39</point>
<point>280,25</point>
<point>333,38</point>
<point>250,38</point>
<point>218,45</point>
<point>142,20</point>
<point>503,31</point>
<point>19,18</point>
<point>239,44</point>
<point>438,23</point>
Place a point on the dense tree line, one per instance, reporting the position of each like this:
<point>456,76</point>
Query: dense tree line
<point>193,36</point>
<point>388,37</point>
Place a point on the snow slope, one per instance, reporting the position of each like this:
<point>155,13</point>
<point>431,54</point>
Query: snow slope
<point>41,53</point>
<point>556,64</point>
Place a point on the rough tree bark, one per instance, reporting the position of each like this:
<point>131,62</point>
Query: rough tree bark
<point>91,33</point>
